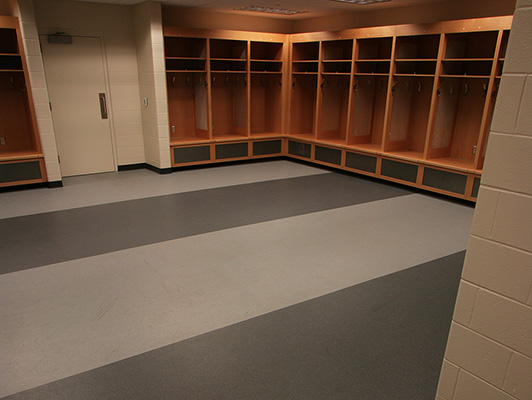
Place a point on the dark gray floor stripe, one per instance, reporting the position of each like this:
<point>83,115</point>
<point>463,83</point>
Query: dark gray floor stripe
<point>41,239</point>
<point>383,339</point>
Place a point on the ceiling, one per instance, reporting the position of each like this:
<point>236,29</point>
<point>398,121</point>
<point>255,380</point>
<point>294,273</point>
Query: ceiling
<point>312,8</point>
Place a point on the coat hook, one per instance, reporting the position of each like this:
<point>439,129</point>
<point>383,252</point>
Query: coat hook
<point>355,87</point>
<point>226,81</point>
<point>419,87</point>
<point>12,82</point>
<point>379,85</point>
<point>23,89</point>
<point>280,83</point>
<point>485,90</point>
<point>466,89</point>
<point>495,91</point>
<point>213,81</point>
<point>294,84</point>
<point>407,85</point>
<point>451,91</point>
<point>370,83</point>
<point>188,81</point>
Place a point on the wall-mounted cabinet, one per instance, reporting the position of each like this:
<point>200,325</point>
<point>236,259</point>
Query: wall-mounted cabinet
<point>266,92</point>
<point>21,159</point>
<point>224,88</point>
<point>410,104</point>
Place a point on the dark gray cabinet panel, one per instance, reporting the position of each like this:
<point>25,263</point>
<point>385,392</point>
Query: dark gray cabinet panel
<point>231,150</point>
<point>361,162</point>
<point>399,170</point>
<point>265,147</point>
<point>445,180</point>
<point>20,171</point>
<point>299,149</point>
<point>476,186</point>
<point>191,154</point>
<point>328,155</point>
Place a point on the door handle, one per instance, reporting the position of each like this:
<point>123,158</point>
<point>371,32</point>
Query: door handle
<point>103,105</point>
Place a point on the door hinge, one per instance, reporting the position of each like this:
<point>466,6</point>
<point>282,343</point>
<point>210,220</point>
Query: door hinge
<point>474,149</point>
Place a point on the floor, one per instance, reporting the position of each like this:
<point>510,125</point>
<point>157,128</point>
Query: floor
<point>272,280</point>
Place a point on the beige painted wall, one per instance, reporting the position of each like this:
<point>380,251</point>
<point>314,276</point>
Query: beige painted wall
<point>205,19</point>
<point>432,12</point>
<point>425,13</point>
<point>489,352</point>
<point>8,7</point>
<point>115,25</point>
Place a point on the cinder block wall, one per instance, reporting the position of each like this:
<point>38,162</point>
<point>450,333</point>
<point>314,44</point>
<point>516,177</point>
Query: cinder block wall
<point>489,351</point>
<point>152,81</point>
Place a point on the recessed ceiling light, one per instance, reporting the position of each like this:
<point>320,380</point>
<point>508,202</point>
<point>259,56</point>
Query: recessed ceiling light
<point>361,2</point>
<point>270,10</point>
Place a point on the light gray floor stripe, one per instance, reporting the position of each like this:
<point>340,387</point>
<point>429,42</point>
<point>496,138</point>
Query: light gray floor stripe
<point>41,239</point>
<point>383,339</point>
<point>90,190</point>
<point>71,317</point>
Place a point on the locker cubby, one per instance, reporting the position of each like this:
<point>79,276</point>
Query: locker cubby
<point>9,54</point>
<point>337,50</point>
<point>472,45</point>
<point>368,112</point>
<point>421,47</point>
<point>187,106</point>
<point>334,108</point>
<point>185,47</point>
<point>411,99</point>
<point>266,51</point>
<point>15,118</point>
<point>466,68</point>
<point>459,113</point>
<point>228,49</point>
<point>229,109</point>
<point>20,150</point>
<point>372,67</point>
<point>304,67</point>
<point>178,64</point>
<point>266,103</point>
<point>374,49</point>
<point>303,105</point>
<point>415,67</point>
<point>336,67</point>
<point>266,66</point>
<point>10,62</point>
<point>228,66</point>
<point>309,51</point>
<point>8,41</point>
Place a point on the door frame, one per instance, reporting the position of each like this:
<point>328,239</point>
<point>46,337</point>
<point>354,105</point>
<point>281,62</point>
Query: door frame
<point>98,35</point>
